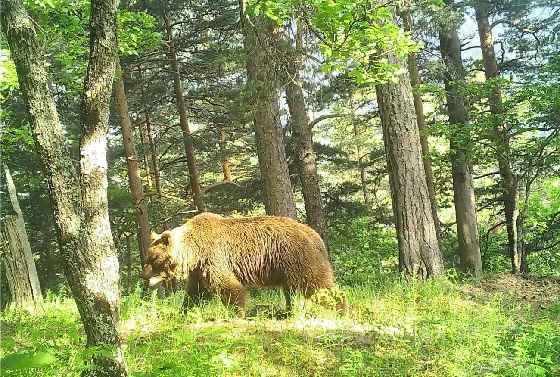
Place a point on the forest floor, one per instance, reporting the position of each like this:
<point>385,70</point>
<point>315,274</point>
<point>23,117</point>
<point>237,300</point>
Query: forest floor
<point>500,326</point>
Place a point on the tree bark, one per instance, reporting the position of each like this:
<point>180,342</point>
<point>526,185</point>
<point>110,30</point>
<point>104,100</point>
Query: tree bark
<point>261,47</point>
<point>17,267</point>
<point>183,119</point>
<point>12,257</point>
<point>149,148</point>
<point>99,283</point>
<point>463,189</point>
<point>26,253</point>
<point>79,198</point>
<point>421,122</point>
<point>303,135</point>
<point>419,254</point>
<point>152,154</point>
<point>145,155</point>
<point>134,181</point>
<point>500,134</point>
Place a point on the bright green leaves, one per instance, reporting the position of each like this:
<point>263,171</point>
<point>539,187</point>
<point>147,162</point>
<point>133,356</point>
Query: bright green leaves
<point>354,36</point>
<point>27,360</point>
<point>436,3</point>
<point>64,26</point>
<point>278,11</point>
<point>136,33</point>
<point>13,135</point>
<point>8,76</point>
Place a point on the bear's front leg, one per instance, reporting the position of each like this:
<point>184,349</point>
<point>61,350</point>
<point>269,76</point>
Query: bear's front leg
<point>233,293</point>
<point>288,295</point>
<point>196,291</point>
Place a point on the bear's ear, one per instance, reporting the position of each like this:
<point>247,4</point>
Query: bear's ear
<point>165,237</point>
<point>154,236</point>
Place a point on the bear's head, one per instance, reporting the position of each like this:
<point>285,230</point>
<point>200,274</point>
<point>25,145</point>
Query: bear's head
<point>159,267</point>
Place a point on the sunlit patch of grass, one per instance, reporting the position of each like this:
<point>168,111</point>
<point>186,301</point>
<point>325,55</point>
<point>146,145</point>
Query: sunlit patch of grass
<point>53,327</point>
<point>402,329</point>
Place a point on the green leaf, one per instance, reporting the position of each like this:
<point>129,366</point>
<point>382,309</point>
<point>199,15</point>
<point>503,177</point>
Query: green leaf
<point>27,360</point>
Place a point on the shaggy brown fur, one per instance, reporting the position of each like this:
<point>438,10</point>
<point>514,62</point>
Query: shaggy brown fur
<point>211,254</point>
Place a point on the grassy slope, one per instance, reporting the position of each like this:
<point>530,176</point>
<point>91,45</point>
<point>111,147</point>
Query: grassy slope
<point>437,328</point>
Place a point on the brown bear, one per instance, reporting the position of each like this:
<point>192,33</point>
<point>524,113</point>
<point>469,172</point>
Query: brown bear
<point>211,254</point>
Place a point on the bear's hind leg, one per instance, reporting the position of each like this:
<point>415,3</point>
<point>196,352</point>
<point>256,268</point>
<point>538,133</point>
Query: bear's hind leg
<point>288,295</point>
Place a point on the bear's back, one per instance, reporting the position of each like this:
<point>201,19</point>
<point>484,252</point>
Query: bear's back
<point>262,250</point>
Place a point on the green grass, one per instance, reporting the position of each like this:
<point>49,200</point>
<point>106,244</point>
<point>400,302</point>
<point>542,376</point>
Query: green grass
<point>434,328</point>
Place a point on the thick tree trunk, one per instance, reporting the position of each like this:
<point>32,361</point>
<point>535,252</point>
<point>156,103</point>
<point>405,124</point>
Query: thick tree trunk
<point>421,122</point>
<point>262,82</point>
<point>303,135</point>
<point>98,284</point>
<point>419,253</point>
<point>80,207</point>
<point>463,190</point>
<point>26,253</point>
<point>17,268</point>
<point>500,136</point>
<point>134,181</point>
<point>183,119</point>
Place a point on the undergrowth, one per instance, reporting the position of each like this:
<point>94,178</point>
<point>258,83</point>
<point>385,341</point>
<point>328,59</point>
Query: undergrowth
<point>434,328</point>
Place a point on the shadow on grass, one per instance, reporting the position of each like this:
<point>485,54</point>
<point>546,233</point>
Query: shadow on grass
<point>270,348</point>
<point>415,329</point>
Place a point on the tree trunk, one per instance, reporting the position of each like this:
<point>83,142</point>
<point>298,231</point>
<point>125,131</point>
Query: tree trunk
<point>145,155</point>
<point>17,267</point>
<point>27,255</point>
<point>80,206</point>
<point>463,190</point>
<point>524,189</point>
<point>261,40</point>
<point>303,135</point>
<point>149,148</point>
<point>134,181</point>
<point>226,164</point>
<point>361,166</point>
<point>500,135</point>
<point>52,267</point>
<point>152,154</point>
<point>183,119</point>
<point>99,261</point>
<point>129,264</point>
<point>421,122</point>
<point>419,253</point>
